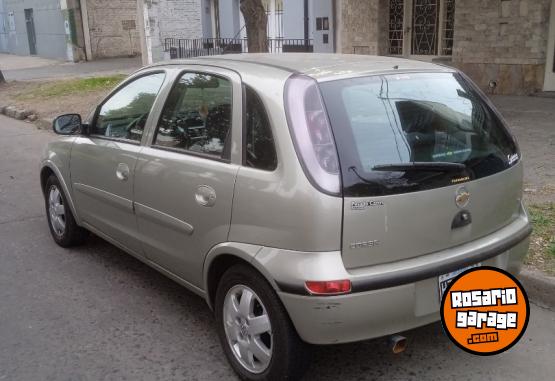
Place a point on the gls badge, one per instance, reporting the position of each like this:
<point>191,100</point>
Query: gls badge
<point>361,205</point>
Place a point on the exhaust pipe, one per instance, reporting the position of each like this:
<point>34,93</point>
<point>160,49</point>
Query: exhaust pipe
<point>397,343</point>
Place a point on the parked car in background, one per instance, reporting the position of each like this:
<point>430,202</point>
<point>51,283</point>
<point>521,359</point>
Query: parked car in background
<point>310,199</point>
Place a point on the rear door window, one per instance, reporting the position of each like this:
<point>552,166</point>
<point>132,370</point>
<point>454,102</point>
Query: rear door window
<point>413,118</point>
<point>197,116</point>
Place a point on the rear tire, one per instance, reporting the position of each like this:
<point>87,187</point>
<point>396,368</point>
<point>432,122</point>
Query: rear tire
<point>240,332</point>
<point>61,222</point>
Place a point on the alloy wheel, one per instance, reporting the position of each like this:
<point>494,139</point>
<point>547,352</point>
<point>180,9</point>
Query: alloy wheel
<point>56,210</point>
<point>248,328</point>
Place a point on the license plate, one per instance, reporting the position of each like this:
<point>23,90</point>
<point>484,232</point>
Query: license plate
<point>445,279</point>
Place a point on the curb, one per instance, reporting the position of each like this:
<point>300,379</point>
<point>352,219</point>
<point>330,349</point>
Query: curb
<point>23,115</point>
<point>44,123</point>
<point>539,287</point>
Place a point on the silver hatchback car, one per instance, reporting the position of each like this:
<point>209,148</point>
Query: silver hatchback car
<point>308,198</point>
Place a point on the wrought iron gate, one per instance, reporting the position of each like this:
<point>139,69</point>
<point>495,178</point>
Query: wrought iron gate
<point>425,27</point>
<point>449,27</point>
<point>396,19</point>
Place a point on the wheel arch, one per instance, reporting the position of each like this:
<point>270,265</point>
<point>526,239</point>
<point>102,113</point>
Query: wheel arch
<point>49,168</point>
<point>45,173</point>
<point>222,257</point>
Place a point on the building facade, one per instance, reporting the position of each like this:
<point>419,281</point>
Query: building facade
<point>293,25</point>
<point>38,27</point>
<point>506,46</point>
<point>507,43</point>
<point>110,28</point>
<point>71,30</point>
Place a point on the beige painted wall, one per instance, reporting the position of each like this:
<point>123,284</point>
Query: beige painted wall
<point>504,41</point>
<point>107,23</point>
<point>362,26</point>
<point>549,83</point>
<point>500,40</point>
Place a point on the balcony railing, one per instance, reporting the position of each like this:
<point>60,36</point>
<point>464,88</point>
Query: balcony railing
<point>189,48</point>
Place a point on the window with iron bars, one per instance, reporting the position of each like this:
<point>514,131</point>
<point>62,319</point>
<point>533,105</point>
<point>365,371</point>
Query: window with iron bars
<point>396,19</point>
<point>449,27</point>
<point>423,28</point>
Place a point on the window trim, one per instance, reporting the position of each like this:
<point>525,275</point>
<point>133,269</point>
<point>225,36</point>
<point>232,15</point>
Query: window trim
<point>244,130</point>
<point>183,151</point>
<point>123,84</point>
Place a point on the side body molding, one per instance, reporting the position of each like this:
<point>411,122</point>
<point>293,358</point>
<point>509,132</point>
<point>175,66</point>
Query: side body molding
<point>109,198</point>
<point>164,219</point>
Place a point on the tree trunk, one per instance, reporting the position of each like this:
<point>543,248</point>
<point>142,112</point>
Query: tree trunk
<point>256,22</point>
<point>2,80</point>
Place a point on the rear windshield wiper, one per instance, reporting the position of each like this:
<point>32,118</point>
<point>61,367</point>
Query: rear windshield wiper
<point>421,166</point>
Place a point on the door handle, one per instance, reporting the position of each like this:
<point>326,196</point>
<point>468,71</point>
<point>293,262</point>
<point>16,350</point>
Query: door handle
<point>122,172</point>
<point>205,196</point>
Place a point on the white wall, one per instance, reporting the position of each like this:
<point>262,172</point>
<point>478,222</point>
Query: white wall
<point>206,18</point>
<point>322,8</point>
<point>293,18</point>
<point>230,23</point>
<point>3,28</point>
<point>168,18</point>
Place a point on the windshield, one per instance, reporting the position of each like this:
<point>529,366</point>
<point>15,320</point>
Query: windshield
<point>389,121</point>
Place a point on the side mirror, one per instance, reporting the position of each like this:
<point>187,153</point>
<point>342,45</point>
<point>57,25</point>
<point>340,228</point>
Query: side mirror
<point>67,124</point>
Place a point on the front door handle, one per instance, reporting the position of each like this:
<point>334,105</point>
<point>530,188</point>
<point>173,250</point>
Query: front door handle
<point>122,172</point>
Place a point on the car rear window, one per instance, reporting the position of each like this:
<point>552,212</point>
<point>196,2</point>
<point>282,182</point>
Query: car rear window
<point>380,121</point>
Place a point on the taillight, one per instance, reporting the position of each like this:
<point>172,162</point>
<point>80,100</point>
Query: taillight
<point>330,287</point>
<point>311,132</point>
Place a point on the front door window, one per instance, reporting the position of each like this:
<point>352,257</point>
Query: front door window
<point>124,114</point>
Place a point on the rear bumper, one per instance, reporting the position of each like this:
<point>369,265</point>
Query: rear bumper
<point>386,298</point>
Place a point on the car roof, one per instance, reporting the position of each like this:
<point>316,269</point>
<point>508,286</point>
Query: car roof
<point>320,66</point>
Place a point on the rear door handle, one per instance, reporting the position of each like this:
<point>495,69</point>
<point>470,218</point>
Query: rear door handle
<point>122,172</point>
<point>205,196</point>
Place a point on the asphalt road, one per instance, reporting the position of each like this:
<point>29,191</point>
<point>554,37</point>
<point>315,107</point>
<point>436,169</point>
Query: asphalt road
<point>95,313</point>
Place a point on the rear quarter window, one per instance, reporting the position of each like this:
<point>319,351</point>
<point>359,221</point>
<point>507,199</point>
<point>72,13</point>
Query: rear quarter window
<point>259,147</point>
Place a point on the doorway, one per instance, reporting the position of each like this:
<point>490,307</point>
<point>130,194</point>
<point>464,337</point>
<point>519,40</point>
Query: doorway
<point>425,20</point>
<point>421,27</point>
<point>549,84</point>
<point>31,35</point>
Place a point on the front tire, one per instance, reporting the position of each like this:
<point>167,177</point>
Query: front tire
<point>255,331</point>
<point>61,222</point>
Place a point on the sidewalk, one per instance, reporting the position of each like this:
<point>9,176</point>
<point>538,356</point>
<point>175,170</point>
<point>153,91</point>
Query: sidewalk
<point>26,68</point>
<point>531,119</point>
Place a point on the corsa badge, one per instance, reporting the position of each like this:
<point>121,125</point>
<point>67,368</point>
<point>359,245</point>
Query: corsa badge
<point>361,205</point>
<point>462,197</point>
